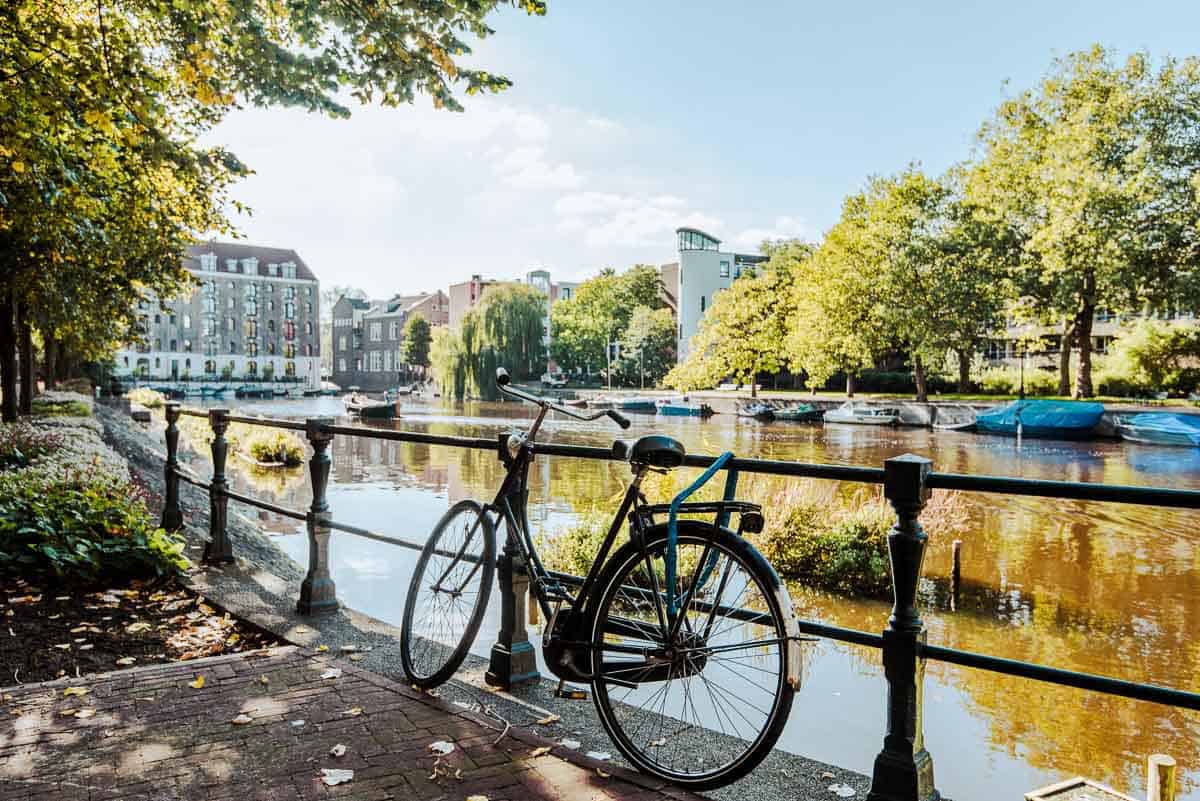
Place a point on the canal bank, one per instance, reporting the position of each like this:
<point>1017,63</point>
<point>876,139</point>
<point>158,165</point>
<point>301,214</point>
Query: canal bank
<point>1092,587</point>
<point>262,586</point>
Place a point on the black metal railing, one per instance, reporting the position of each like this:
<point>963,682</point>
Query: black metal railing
<point>903,769</point>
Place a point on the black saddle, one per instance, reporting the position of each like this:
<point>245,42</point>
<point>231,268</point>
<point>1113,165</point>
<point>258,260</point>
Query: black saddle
<point>653,450</point>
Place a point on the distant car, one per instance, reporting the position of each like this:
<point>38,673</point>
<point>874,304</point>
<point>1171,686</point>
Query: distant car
<point>554,380</point>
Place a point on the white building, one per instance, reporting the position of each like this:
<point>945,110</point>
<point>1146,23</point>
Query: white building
<point>704,270</point>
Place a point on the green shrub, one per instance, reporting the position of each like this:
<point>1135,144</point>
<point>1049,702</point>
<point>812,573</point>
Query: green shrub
<point>55,408</point>
<point>274,446</point>
<point>84,527</point>
<point>1007,381</point>
<point>21,443</point>
<point>147,397</point>
<point>1151,356</point>
<point>81,385</point>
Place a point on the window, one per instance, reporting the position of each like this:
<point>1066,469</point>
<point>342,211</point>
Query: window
<point>737,271</point>
<point>289,350</point>
<point>231,265</point>
<point>342,342</point>
<point>724,269</point>
<point>270,305</point>
<point>702,301</point>
<point>229,302</point>
<point>270,326</point>
<point>210,367</point>
<point>250,306</point>
<point>387,361</point>
<point>251,348</point>
<point>271,348</point>
<point>308,309</point>
<point>394,329</point>
<point>308,291</point>
<point>171,319</point>
<point>289,311</point>
<point>289,269</point>
<point>174,345</point>
<point>289,329</point>
<point>308,329</point>
<point>358,363</point>
<point>376,332</point>
<point>289,293</point>
<point>250,265</point>
<point>187,346</point>
<point>232,347</point>
<point>158,318</point>
<point>228,323</point>
<point>251,368</point>
<point>272,269</point>
<point>376,361</point>
<point>187,321</point>
<point>250,329</point>
<point>341,365</point>
<point>289,368</point>
<point>308,350</point>
<point>208,262</point>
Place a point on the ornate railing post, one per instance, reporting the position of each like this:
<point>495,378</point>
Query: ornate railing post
<point>512,659</point>
<point>904,769</point>
<point>318,594</point>
<point>218,550</point>
<point>172,517</point>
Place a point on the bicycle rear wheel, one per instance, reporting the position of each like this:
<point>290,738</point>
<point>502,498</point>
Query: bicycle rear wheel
<point>703,706</point>
<point>448,595</point>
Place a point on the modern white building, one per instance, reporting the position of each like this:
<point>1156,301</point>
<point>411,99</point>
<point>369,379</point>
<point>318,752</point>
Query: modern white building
<point>703,271</point>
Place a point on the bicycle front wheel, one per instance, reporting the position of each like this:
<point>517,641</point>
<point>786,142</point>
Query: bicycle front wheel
<point>448,595</point>
<point>697,696</point>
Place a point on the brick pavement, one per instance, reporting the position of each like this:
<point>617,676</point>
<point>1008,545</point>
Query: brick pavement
<point>153,737</point>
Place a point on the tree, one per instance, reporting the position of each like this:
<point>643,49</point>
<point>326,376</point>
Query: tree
<point>599,313</point>
<point>102,182</point>
<point>513,319</point>
<point>417,339</point>
<point>1095,171</point>
<point>744,331</point>
<point>647,347</point>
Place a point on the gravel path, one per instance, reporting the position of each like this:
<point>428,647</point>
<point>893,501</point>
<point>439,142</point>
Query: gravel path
<point>262,586</point>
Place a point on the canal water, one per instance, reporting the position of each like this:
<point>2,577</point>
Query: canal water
<point>1102,588</point>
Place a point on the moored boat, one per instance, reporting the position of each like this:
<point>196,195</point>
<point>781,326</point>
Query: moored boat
<point>636,403</point>
<point>368,409</point>
<point>759,410</point>
<point>1160,428</point>
<point>800,413</point>
<point>1043,419</point>
<point>960,417</point>
<point>677,407</point>
<point>863,414</point>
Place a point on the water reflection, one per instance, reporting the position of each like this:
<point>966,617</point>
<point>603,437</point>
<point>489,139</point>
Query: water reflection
<point>1102,588</point>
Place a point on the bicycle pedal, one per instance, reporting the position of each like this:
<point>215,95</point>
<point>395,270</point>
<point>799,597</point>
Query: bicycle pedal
<point>570,693</point>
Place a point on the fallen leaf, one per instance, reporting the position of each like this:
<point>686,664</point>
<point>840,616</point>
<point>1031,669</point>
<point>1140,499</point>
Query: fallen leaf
<point>134,628</point>
<point>64,646</point>
<point>241,720</point>
<point>87,647</point>
<point>86,713</point>
<point>264,680</point>
<point>197,684</point>
<point>659,743</point>
<point>546,721</point>
<point>322,649</point>
<point>572,744</point>
<point>356,657</point>
<point>541,750</point>
<point>602,774</point>
<point>297,724</point>
<point>441,747</point>
<point>126,661</point>
<point>828,775</point>
<point>332,673</point>
<point>353,711</point>
<point>841,790</point>
<point>348,649</point>
<point>338,750</point>
<point>333,776</point>
<point>603,756</point>
<point>477,798</point>
<point>67,693</point>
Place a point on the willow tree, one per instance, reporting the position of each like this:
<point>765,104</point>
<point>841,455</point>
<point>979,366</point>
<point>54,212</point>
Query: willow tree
<point>513,318</point>
<point>103,182</point>
<point>1096,171</point>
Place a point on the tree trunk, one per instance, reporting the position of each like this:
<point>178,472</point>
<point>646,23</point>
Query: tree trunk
<point>1083,335</point>
<point>51,365</point>
<point>919,377</point>
<point>754,385</point>
<point>850,385</point>
<point>1066,341</point>
<point>964,371</point>
<point>8,360</point>
<point>25,352</point>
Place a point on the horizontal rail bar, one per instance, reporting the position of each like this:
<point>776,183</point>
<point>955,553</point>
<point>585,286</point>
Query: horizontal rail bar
<point>270,507</point>
<point>372,535</point>
<point>1113,493</point>
<point>272,422</point>
<point>193,412</point>
<point>839,633</point>
<point>479,443</point>
<point>195,482</point>
<point>1066,678</point>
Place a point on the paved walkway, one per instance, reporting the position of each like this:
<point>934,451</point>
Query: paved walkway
<point>149,734</point>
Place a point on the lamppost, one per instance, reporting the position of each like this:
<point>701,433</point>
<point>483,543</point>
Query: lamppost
<point>1021,390</point>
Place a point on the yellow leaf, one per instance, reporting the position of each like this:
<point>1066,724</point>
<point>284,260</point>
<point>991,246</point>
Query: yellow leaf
<point>541,750</point>
<point>477,798</point>
<point>126,661</point>
<point>546,721</point>
<point>322,649</point>
<point>241,720</point>
<point>67,693</point>
<point>354,711</point>
<point>197,684</point>
<point>601,774</point>
<point>85,713</point>
<point>18,166</point>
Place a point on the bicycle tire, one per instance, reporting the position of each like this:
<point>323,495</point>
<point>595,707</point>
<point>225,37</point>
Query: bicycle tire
<point>647,749</point>
<point>429,653</point>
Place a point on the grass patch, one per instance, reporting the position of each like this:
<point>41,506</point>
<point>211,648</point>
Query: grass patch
<point>72,408</point>
<point>147,397</point>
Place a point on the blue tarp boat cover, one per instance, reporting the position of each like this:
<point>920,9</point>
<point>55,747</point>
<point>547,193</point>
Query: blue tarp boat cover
<point>1045,417</point>
<point>1168,427</point>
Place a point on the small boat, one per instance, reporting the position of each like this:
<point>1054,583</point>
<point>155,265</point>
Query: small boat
<point>800,413</point>
<point>328,388</point>
<point>636,403</point>
<point>361,406</point>
<point>214,392</point>
<point>1044,419</point>
<point>252,391</point>
<point>954,418</point>
<point>1160,428</point>
<point>279,392</point>
<point>759,410</point>
<point>677,407</point>
<point>863,414</point>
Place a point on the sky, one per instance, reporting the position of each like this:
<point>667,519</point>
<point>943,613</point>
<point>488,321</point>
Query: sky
<point>630,118</point>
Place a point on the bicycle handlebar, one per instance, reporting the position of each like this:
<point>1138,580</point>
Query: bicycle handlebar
<point>503,380</point>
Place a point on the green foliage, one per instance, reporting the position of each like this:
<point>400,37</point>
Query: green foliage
<point>146,397</point>
<point>573,549</point>
<point>847,555</point>
<point>599,313</point>
<point>647,347</point>
<point>417,341</point>
<point>1151,356</point>
<point>71,408</point>
<point>274,446</point>
<point>1006,380</point>
<point>22,443</point>
<point>80,527</point>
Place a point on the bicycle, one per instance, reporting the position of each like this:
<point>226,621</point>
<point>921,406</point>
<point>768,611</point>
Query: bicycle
<point>685,632</point>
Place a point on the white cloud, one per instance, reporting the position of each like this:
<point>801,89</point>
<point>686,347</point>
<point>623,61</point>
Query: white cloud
<point>527,168</point>
<point>785,228</point>
<point>604,125</point>
<point>610,219</point>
